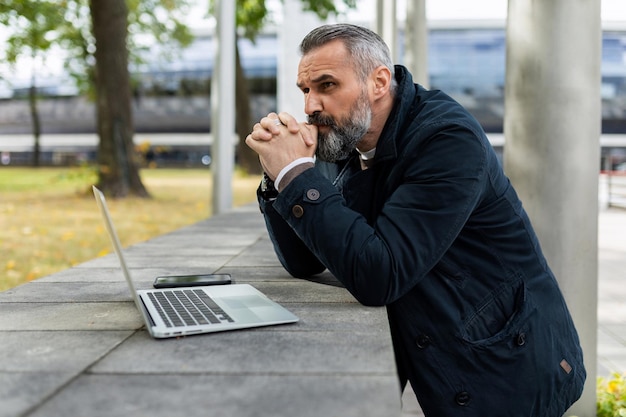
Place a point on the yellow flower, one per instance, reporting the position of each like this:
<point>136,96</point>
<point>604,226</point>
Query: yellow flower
<point>613,386</point>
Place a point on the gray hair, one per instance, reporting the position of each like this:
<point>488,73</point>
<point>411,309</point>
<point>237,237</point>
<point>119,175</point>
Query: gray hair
<point>367,49</point>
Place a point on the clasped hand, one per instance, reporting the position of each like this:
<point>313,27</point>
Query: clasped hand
<point>280,144</point>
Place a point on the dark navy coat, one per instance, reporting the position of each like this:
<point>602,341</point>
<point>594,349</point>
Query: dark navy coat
<point>435,232</point>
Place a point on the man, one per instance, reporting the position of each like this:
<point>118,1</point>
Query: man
<point>407,205</point>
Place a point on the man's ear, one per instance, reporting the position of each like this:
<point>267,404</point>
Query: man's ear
<point>381,78</point>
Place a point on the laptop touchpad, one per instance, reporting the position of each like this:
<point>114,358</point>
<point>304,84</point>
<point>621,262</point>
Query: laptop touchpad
<point>246,301</point>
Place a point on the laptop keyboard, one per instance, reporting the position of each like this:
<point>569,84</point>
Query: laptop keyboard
<point>188,307</point>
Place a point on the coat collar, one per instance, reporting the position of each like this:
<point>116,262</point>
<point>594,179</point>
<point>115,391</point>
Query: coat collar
<point>406,90</point>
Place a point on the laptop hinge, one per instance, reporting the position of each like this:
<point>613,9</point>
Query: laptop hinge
<point>145,309</point>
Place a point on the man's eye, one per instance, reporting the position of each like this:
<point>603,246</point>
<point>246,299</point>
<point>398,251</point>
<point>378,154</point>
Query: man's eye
<point>328,84</point>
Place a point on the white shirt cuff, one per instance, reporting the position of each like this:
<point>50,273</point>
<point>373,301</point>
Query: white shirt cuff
<point>286,169</point>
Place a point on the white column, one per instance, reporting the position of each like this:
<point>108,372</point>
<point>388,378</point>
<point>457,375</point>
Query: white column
<point>295,25</point>
<point>386,25</point>
<point>416,41</point>
<point>552,129</point>
<point>223,107</point>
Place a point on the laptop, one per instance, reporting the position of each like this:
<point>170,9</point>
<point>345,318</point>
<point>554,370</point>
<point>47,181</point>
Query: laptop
<point>175,312</point>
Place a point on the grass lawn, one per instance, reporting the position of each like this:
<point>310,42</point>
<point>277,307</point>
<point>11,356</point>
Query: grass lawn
<point>49,220</point>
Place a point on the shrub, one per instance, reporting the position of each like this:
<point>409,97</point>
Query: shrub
<point>611,396</point>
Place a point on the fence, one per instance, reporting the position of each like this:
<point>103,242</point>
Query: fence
<point>616,188</point>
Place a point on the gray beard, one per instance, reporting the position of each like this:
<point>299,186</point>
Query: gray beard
<point>337,144</point>
<point>343,138</point>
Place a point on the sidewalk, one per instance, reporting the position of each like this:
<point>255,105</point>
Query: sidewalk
<point>612,291</point>
<point>611,300</point>
<point>74,344</point>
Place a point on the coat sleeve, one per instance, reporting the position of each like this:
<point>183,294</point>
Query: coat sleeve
<point>435,190</point>
<point>292,253</point>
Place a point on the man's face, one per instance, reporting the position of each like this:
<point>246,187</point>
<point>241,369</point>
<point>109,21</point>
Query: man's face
<point>335,100</point>
<point>343,134</point>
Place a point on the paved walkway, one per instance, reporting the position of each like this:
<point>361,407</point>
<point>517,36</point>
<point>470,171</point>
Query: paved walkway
<point>73,343</point>
<point>611,299</point>
<point>612,291</point>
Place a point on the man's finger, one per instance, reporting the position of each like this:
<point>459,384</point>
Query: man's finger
<point>308,133</point>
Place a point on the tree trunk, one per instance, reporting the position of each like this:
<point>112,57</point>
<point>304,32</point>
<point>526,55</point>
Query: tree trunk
<point>247,159</point>
<point>118,171</point>
<point>34,115</point>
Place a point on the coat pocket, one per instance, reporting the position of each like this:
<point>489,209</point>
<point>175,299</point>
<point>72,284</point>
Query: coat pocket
<point>499,316</point>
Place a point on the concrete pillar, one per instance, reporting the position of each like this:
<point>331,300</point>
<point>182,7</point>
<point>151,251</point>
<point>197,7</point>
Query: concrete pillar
<point>295,25</point>
<point>223,107</point>
<point>416,41</point>
<point>387,26</point>
<point>552,130</point>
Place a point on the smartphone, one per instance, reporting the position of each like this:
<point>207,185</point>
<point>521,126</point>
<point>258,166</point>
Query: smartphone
<point>173,281</point>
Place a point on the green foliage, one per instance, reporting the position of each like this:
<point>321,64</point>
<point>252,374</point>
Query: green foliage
<point>252,15</point>
<point>611,394</point>
<point>33,29</point>
<point>325,8</point>
<point>37,25</point>
<point>161,20</point>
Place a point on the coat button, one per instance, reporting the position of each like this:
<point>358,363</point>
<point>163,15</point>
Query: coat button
<point>521,339</point>
<point>313,194</point>
<point>422,341</point>
<point>462,398</point>
<point>297,211</point>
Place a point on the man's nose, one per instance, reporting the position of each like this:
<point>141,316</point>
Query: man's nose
<point>312,104</point>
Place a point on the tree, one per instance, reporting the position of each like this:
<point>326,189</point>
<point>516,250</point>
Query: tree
<point>118,168</point>
<point>40,24</point>
<point>118,173</point>
<point>251,17</point>
<point>34,32</point>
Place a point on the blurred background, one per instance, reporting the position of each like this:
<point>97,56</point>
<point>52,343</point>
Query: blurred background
<point>171,85</point>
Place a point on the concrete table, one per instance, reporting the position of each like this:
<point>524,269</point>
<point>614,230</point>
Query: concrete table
<point>73,343</point>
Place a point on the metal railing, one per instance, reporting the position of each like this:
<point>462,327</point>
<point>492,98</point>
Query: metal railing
<point>616,188</point>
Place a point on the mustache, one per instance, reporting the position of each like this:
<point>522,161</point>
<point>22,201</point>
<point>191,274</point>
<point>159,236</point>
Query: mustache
<point>321,120</point>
